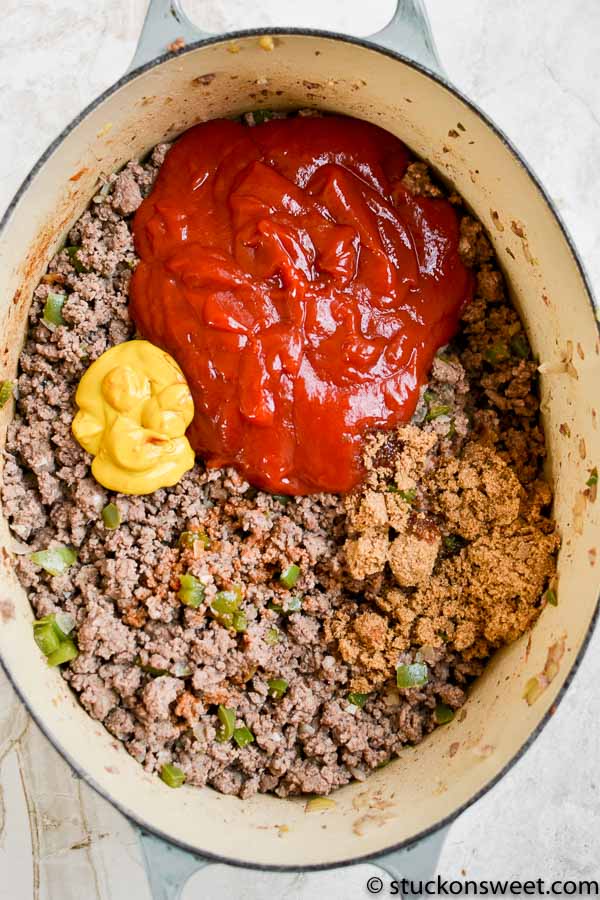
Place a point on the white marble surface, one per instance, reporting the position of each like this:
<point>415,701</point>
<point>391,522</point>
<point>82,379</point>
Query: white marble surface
<point>535,67</point>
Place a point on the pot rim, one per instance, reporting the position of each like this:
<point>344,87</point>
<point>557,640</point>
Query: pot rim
<point>441,81</point>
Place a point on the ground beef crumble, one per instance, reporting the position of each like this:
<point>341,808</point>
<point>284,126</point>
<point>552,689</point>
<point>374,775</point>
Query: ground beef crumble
<point>442,555</point>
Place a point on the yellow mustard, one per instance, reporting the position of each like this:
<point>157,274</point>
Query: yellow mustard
<point>134,408</point>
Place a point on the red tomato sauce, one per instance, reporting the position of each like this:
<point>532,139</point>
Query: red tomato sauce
<point>301,288</point>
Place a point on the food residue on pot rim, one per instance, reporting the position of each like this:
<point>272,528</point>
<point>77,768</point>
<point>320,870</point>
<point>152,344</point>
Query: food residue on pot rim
<point>536,685</point>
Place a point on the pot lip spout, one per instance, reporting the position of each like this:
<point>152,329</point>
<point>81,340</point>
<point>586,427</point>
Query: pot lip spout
<point>443,83</point>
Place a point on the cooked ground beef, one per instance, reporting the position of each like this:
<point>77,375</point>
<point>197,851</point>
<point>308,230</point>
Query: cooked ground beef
<point>442,555</point>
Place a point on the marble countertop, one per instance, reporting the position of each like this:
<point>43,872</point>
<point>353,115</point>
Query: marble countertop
<point>534,67</point>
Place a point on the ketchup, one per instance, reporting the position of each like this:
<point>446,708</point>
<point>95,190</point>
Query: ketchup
<point>301,288</point>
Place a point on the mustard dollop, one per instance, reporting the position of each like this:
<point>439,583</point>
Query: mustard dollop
<point>134,408</point>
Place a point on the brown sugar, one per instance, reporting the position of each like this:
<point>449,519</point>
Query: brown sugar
<point>364,642</point>
<point>475,492</point>
<point>367,511</point>
<point>451,550</point>
<point>412,558</point>
<point>371,630</point>
<point>366,554</point>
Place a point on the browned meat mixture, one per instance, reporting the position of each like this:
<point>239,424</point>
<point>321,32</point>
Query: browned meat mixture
<point>443,555</point>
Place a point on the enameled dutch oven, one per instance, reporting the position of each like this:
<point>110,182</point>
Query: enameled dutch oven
<point>393,80</point>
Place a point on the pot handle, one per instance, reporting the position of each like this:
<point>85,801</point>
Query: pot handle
<point>408,33</point>
<point>169,867</point>
<point>165,22</point>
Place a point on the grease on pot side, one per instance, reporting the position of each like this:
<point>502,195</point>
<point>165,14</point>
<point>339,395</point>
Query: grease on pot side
<point>303,290</point>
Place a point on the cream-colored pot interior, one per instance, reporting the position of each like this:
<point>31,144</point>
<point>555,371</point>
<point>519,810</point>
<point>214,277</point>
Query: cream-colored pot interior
<point>430,782</point>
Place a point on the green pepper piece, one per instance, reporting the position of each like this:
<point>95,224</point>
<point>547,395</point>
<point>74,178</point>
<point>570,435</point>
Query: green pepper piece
<point>593,479</point>
<point>409,495</point>
<point>65,652</point>
<point>187,539</point>
<point>412,675</point>
<point>191,591</point>
<point>519,345</point>
<point>225,603</point>
<point>56,560</point>
<point>277,687</point>
<point>62,624</point>
<point>262,115</point>
<point>225,730</point>
<point>443,714</point>
<point>45,636</point>
<point>551,597</point>
<point>235,594</point>
<point>281,498</point>
<point>358,699</point>
<point>240,621</point>
<point>72,253</point>
<point>6,392</point>
<point>225,608</point>
<point>49,620</point>
<point>272,636</point>
<point>172,775</point>
<point>290,576</point>
<point>453,543</point>
<point>53,308</point>
<point>294,604</point>
<point>434,412</point>
<point>150,670</point>
<point>497,353</point>
<point>111,516</point>
<point>243,736</point>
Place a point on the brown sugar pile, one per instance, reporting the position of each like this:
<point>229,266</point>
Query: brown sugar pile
<point>449,549</point>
